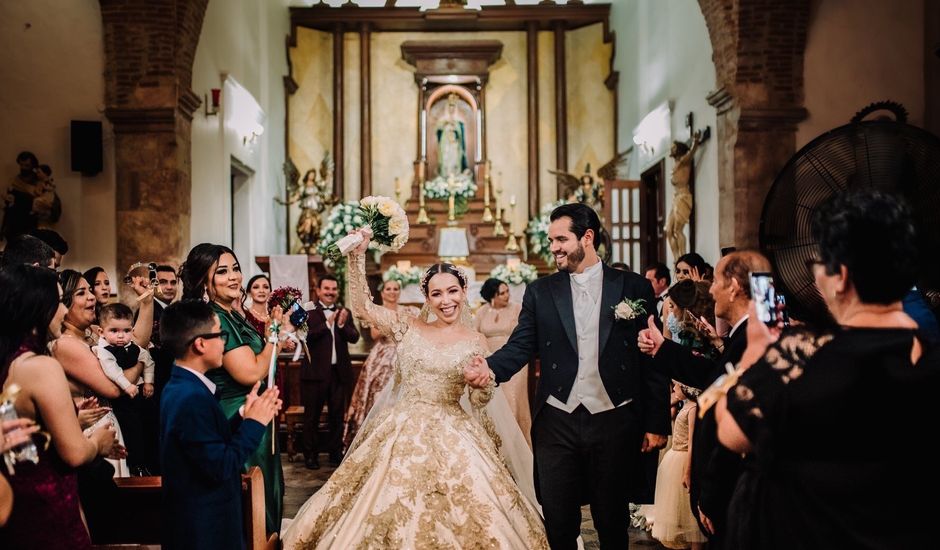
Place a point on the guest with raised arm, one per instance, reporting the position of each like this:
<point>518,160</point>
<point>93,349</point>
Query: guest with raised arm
<point>822,410</point>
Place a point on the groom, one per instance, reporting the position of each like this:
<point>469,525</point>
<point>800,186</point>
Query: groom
<point>598,402</point>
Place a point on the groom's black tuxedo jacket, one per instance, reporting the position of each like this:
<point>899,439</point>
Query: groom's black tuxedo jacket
<point>546,328</point>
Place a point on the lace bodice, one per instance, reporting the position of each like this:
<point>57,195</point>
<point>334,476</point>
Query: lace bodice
<point>427,371</point>
<point>680,430</point>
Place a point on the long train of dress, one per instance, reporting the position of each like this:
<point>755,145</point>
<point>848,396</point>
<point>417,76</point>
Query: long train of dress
<point>423,472</point>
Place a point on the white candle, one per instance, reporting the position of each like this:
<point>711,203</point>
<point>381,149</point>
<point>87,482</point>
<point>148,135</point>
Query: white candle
<point>513,263</point>
<point>424,133</point>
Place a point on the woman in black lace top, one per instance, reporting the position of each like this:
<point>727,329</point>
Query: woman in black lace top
<point>831,417</point>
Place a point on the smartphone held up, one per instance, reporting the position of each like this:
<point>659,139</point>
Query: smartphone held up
<point>771,306</point>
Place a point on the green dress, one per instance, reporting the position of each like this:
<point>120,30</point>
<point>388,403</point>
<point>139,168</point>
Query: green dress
<point>240,333</point>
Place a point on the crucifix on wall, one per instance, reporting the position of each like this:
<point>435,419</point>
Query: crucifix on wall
<point>683,173</point>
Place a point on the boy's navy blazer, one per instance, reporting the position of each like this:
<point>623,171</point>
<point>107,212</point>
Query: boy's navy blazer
<point>203,455</point>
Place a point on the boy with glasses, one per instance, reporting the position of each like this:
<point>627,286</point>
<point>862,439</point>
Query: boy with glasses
<point>203,452</point>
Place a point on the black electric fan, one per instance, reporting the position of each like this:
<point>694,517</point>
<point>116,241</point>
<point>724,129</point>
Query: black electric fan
<point>884,154</point>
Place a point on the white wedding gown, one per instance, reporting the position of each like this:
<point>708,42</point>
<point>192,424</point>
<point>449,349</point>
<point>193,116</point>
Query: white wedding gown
<point>423,472</point>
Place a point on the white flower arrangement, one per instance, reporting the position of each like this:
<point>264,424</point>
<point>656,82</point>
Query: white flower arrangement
<point>343,220</point>
<point>538,232</point>
<point>515,275</point>
<point>629,309</point>
<point>464,187</point>
<point>410,276</point>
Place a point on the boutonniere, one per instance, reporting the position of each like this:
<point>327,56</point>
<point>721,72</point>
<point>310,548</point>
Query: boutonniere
<point>629,309</point>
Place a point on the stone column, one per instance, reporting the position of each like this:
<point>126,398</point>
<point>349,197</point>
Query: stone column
<point>149,51</point>
<point>153,174</point>
<point>757,49</point>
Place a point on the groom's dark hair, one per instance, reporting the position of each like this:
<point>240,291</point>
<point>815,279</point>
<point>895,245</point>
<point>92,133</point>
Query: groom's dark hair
<point>582,217</point>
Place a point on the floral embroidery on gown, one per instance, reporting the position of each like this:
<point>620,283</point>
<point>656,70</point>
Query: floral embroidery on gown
<point>376,373</point>
<point>423,472</point>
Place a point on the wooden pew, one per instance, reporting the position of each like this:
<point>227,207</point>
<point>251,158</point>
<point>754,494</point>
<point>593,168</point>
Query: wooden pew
<point>140,502</point>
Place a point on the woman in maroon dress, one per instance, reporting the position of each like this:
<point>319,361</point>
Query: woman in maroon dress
<point>258,291</point>
<point>46,511</point>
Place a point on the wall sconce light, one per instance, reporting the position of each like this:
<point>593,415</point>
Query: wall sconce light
<point>643,145</point>
<point>212,108</point>
<point>254,136</point>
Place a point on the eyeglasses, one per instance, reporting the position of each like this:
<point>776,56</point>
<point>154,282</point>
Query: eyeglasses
<point>209,336</point>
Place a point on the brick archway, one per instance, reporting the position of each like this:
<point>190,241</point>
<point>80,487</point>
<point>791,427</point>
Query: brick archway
<point>149,50</point>
<point>757,48</point>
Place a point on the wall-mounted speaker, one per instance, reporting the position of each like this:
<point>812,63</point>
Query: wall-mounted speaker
<point>87,155</point>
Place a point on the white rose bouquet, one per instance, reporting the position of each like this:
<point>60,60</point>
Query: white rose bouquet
<point>386,219</point>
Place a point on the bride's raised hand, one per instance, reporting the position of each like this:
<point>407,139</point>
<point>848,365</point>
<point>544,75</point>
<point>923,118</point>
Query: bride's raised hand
<point>366,234</point>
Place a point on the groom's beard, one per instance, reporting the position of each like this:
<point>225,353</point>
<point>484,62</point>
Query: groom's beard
<point>574,259</point>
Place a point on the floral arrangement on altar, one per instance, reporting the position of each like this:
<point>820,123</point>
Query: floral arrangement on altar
<point>538,232</point>
<point>464,188</point>
<point>410,276</point>
<point>518,274</point>
<point>288,298</point>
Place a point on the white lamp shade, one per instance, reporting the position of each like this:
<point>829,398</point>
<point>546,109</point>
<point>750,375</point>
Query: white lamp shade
<point>453,243</point>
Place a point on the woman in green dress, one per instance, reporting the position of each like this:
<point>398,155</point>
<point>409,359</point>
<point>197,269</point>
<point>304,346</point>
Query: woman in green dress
<point>212,273</point>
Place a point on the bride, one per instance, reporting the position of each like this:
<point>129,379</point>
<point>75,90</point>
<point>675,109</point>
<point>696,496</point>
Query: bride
<point>425,471</point>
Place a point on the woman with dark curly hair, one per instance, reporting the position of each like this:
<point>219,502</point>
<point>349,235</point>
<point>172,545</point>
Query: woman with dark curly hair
<point>212,273</point>
<point>827,415</point>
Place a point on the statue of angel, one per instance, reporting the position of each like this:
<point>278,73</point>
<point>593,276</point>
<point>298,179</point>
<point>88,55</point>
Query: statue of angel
<point>314,196</point>
<point>588,190</point>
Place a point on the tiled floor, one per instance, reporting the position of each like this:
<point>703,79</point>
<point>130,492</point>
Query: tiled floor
<point>300,483</point>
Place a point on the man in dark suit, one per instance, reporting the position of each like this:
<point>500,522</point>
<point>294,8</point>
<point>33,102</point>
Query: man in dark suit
<point>714,469</point>
<point>598,404</point>
<point>657,273</point>
<point>202,451</point>
<point>329,378</point>
<point>164,294</point>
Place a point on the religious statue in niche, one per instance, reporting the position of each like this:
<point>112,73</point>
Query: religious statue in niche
<point>588,190</point>
<point>30,200</point>
<point>450,133</point>
<point>314,195</point>
<point>681,211</point>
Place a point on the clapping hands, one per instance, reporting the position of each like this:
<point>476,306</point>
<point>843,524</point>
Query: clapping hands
<point>477,373</point>
<point>264,407</point>
<point>89,412</point>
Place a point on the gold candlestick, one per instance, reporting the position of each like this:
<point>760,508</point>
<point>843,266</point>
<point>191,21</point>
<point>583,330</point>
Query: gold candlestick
<point>511,244</point>
<point>422,213</point>
<point>487,214</point>
<point>397,190</point>
<point>498,230</point>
